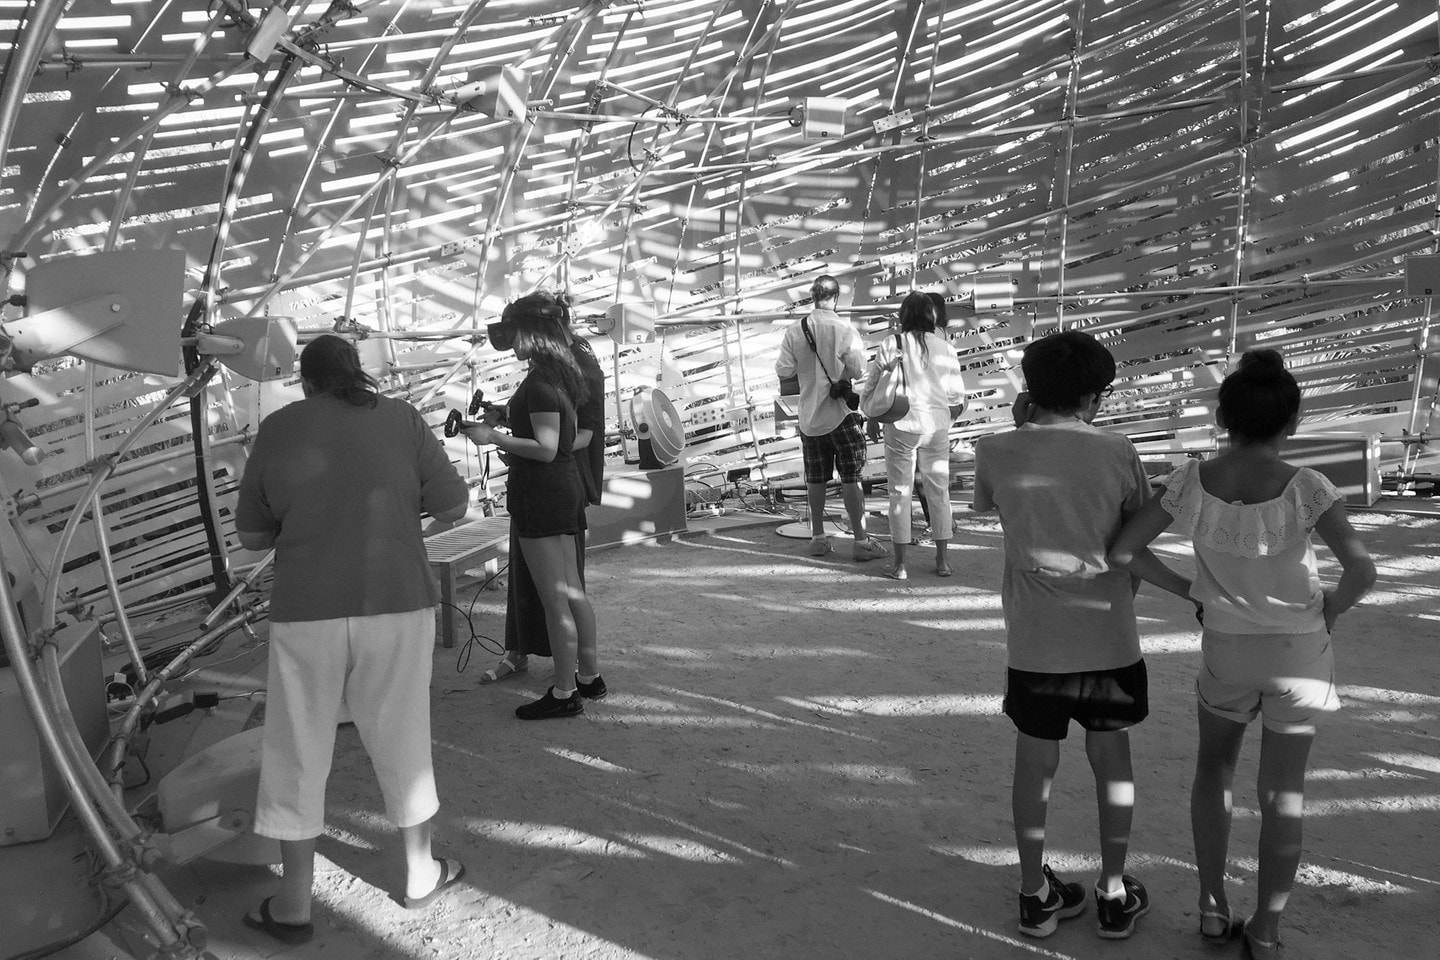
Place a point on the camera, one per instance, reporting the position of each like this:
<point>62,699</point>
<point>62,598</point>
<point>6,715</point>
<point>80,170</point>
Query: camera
<point>844,390</point>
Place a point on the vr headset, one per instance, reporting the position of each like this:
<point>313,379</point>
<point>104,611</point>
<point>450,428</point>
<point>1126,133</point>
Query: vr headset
<point>501,335</point>
<point>524,312</point>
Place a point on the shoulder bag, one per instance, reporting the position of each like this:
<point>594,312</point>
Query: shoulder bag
<point>885,399</point>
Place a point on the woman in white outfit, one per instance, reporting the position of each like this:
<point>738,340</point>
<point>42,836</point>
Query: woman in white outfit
<point>937,395</point>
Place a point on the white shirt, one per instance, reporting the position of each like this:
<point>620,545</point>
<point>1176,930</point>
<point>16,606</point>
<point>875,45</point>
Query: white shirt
<point>1255,565</point>
<point>843,353</point>
<point>933,383</point>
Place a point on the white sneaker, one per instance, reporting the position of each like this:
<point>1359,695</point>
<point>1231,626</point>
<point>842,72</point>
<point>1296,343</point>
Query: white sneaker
<point>869,549</point>
<point>819,546</point>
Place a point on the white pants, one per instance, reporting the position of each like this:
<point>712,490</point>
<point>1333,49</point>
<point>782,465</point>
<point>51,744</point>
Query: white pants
<point>901,448</point>
<point>378,668</point>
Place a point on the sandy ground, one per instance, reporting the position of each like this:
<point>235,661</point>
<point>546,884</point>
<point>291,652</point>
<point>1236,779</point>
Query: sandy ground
<point>802,759</point>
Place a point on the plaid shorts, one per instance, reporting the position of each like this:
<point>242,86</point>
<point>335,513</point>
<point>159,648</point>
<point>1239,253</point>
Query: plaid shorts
<point>842,450</point>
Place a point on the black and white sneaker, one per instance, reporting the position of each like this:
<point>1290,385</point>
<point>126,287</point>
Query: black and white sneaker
<point>1115,919</point>
<point>1039,916</point>
<point>550,706</point>
<point>594,690</point>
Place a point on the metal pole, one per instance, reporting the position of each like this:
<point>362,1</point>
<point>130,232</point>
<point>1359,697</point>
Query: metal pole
<point>1072,95</point>
<point>116,863</point>
<point>925,143</point>
<point>741,192</point>
<point>1411,456</point>
<point>102,472</point>
<point>1242,187</point>
<point>151,690</point>
<point>28,51</point>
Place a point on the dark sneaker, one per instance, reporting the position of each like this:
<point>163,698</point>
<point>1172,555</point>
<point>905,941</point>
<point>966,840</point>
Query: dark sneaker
<point>550,706</point>
<point>1039,916</point>
<point>594,690</point>
<point>1116,918</point>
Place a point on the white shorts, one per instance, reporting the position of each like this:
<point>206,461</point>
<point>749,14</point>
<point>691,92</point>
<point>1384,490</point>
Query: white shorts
<point>378,668</point>
<point>1288,679</point>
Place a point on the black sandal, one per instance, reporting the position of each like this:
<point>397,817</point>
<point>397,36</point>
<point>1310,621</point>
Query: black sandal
<point>447,879</point>
<point>289,933</point>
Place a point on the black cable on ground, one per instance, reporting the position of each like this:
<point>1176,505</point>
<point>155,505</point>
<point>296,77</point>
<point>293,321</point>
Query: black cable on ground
<point>106,916</point>
<point>487,643</point>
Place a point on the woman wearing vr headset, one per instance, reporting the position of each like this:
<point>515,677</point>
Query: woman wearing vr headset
<point>546,495</point>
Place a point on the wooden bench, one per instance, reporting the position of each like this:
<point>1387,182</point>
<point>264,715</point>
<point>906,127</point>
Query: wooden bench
<point>456,550</point>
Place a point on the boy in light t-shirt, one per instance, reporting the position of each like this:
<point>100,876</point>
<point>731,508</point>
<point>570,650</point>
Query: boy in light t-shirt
<point>1063,489</point>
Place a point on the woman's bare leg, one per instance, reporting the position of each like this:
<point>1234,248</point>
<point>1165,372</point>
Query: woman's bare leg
<point>587,657</point>
<point>1211,805</point>
<point>1283,758</point>
<point>551,561</point>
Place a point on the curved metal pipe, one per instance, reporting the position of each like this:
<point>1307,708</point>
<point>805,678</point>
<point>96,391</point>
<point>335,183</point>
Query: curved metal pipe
<point>115,762</point>
<point>128,467</point>
<point>240,164</point>
<point>576,26</point>
<point>178,99</point>
<point>741,192</point>
<point>28,50</point>
<point>319,242</point>
<point>112,587</point>
<point>107,801</point>
<point>246,582</point>
<point>72,523</point>
<point>35,697</point>
<point>632,189</point>
<point>437,61</point>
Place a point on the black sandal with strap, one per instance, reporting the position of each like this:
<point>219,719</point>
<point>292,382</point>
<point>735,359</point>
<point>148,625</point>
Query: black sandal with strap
<point>289,933</point>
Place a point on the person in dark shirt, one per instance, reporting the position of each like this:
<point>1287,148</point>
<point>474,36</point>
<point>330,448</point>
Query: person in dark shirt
<point>526,634</point>
<point>546,495</point>
<point>337,483</point>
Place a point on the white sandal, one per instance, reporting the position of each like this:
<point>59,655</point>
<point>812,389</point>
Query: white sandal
<point>503,670</point>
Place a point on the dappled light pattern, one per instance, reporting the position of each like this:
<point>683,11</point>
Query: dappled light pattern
<point>1182,179</point>
<point>770,776</point>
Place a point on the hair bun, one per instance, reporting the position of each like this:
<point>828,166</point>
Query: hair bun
<point>1265,361</point>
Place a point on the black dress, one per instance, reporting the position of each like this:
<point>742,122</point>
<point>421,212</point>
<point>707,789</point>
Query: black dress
<point>544,499</point>
<point>525,630</point>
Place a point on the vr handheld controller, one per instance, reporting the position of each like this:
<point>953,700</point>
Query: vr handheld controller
<point>494,415</point>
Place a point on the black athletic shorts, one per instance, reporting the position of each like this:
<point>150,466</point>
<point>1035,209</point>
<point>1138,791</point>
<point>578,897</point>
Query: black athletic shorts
<point>1043,704</point>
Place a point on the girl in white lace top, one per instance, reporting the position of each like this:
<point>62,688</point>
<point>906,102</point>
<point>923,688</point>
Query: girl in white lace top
<point>1267,623</point>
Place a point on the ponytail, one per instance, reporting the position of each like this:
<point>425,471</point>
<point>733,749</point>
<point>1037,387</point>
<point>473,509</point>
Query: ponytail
<point>332,365</point>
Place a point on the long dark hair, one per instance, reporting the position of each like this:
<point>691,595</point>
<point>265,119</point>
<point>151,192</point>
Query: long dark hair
<point>1258,400</point>
<point>942,317</point>
<point>917,318</point>
<point>540,337</point>
<point>332,365</point>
